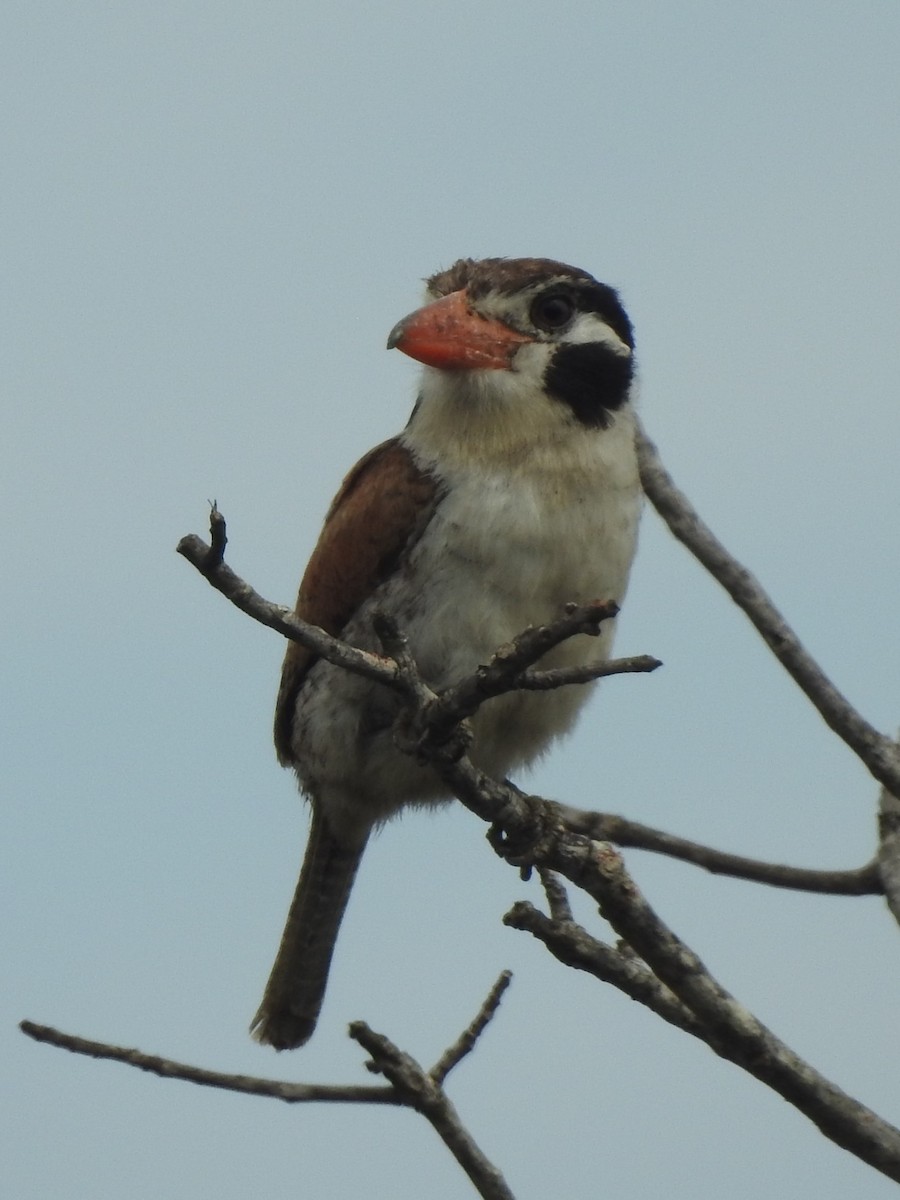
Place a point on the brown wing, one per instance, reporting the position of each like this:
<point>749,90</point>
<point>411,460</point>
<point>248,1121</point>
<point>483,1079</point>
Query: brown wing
<point>382,505</point>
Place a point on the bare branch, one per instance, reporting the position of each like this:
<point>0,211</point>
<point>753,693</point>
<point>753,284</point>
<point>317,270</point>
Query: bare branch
<point>205,558</point>
<point>504,672</point>
<point>507,671</point>
<point>557,897</point>
<point>409,1085</point>
<point>292,1093</point>
<point>465,1043</point>
<point>879,753</point>
<point>542,681</point>
<point>732,1031</point>
<point>218,536</point>
<point>573,946</point>
<point>396,646</point>
<point>529,828</point>
<point>607,827</point>
<point>419,1090</point>
<point>888,859</point>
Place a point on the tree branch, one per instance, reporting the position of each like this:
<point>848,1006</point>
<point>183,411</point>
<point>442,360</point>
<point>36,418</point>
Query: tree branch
<point>207,561</point>
<point>573,946</point>
<point>292,1093</point>
<point>880,754</point>
<point>557,897</point>
<point>732,1031</point>
<point>409,1085</point>
<point>608,827</point>
<point>529,829</point>
<point>437,717</point>
<point>543,681</point>
<point>667,976</point>
<point>419,1090</point>
<point>888,861</point>
<point>466,1041</point>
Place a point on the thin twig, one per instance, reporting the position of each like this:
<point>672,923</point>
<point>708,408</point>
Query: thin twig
<point>409,1085</point>
<point>888,860</point>
<point>292,1093</point>
<point>395,644</point>
<point>573,946</point>
<point>503,673</point>
<point>879,753</point>
<point>419,1090</point>
<point>608,827</point>
<point>218,536</point>
<point>556,677</point>
<point>557,896</point>
<point>279,618</point>
<point>465,1043</point>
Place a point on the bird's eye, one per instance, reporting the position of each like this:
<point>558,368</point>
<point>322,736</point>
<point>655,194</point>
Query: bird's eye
<point>552,311</point>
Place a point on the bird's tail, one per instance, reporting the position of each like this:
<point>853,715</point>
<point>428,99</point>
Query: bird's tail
<point>296,987</point>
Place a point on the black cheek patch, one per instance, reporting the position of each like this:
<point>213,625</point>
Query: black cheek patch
<point>591,379</point>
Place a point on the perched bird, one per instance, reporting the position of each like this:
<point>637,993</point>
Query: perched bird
<point>512,490</point>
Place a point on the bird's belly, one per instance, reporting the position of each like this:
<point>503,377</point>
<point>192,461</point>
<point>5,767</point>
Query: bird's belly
<point>466,589</point>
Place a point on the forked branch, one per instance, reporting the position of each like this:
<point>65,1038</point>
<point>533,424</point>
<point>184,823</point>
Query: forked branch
<point>408,1086</point>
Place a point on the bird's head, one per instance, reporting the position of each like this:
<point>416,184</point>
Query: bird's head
<point>510,333</point>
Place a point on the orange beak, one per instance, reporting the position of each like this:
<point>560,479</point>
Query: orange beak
<point>447,334</point>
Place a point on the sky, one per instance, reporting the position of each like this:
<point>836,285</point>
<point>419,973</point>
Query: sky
<point>212,215</point>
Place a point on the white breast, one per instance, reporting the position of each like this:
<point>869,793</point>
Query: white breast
<point>525,525</point>
<point>509,546</point>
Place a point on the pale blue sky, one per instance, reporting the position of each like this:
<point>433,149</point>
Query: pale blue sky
<point>212,215</point>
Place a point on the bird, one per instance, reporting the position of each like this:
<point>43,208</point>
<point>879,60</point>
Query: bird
<point>512,491</point>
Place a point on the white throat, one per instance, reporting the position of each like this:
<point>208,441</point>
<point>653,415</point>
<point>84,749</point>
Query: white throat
<point>504,420</point>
